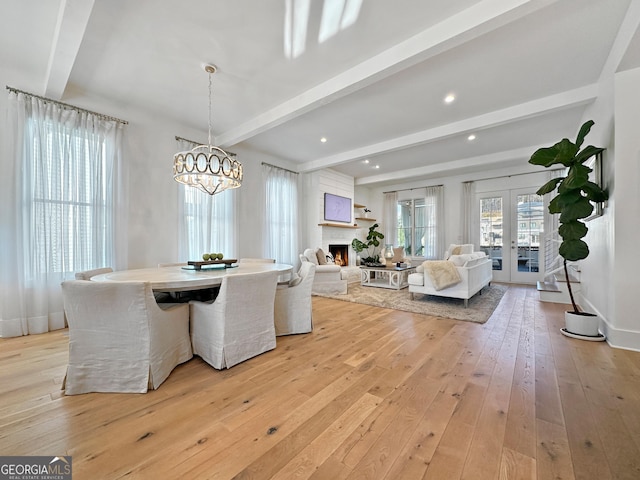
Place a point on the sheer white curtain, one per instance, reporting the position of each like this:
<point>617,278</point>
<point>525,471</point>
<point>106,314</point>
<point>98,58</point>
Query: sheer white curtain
<point>468,208</point>
<point>390,217</point>
<point>434,231</point>
<point>281,214</point>
<point>63,191</point>
<point>208,223</point>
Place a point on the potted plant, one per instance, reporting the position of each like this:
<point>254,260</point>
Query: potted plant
<point>373,240</point>
<point>366,212</point>
<point>575,195</point>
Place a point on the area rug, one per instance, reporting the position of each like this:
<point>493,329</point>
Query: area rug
<point>480,308</point>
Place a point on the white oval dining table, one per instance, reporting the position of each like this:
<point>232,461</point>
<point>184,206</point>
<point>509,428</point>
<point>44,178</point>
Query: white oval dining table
<point>178,279</point>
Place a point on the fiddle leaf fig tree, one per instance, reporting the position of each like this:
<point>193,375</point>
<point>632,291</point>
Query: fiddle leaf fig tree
<point>373,240</point>
<point>574,197</point>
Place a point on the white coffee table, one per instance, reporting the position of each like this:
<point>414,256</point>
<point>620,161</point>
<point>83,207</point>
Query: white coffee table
<point>395,278</point>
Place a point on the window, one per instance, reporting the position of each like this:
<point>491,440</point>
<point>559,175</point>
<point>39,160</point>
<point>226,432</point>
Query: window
<point>281,214</point>
<point>208,224</point>
<point>68,199</point>
<point>420,224</point>
<point>63,181</point>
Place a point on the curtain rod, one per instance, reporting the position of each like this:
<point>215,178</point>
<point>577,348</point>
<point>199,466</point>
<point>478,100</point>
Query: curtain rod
<point>480,179</point>
<point>515,175</point>
<point>276,166</point>
<point>416,188</point>
<point>66,105</point>
<point>178,138</point>
<point>187,140</point>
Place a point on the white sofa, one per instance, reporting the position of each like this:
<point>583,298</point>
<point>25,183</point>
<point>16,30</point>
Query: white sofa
<point>475,270</point>
<point>328,279</point>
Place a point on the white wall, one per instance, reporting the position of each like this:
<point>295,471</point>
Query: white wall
<point>625,322</point>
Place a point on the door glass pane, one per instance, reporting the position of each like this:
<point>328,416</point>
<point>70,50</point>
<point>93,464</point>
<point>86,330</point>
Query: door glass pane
<point>420,229</point>
<point>405,226</point>
<point>530,228</point>
<point>491,229</point>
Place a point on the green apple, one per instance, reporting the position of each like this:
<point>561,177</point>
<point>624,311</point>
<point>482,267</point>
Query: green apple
<point>219,256</point>
<point>213,256</point>
<point>206,256</point>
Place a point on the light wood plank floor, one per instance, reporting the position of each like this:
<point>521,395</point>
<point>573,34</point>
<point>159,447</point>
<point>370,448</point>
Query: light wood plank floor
<point>370,394</point>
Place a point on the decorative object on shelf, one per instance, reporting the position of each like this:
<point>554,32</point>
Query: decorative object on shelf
<point>207,167</point>
<point>574,201</point>
<point>366,212</point>
<point>372,241</point>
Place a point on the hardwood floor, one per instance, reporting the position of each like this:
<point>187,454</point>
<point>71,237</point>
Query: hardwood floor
<point>370,394</point>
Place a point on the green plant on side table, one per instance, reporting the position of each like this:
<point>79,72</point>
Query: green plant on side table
<point>373,240</point>
<point>575,195</point>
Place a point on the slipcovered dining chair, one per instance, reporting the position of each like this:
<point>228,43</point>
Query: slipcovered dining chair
<point>238,324</point>
<point>87,274</point>
<point>257,260</point>
<point>293,303</point>
<point>120,339</point>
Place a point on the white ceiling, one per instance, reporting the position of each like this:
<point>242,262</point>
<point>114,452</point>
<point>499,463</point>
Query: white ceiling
<point>371,78</point>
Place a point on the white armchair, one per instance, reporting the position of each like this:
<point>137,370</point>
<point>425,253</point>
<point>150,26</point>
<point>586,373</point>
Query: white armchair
<point>328,278</point>
<point>120,340</point>
<point>293,303</point>
<point>239,323</point>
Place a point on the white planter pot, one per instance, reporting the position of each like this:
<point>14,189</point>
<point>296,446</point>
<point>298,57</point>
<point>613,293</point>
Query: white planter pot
<point>582,323</point>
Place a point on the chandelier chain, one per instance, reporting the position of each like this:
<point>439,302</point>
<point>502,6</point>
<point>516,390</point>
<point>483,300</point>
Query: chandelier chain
<point>210,84</point>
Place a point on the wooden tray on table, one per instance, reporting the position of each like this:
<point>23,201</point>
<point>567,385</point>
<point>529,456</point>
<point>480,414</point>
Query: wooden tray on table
<point>198,265</point>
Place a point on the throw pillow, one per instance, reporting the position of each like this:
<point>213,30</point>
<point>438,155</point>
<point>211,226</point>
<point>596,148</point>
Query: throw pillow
<point>457,260</point>
<point>322,258</point>
<point>457,250</point>
<point>466,248</point>
<point>295,280</point>
<point>398,255</point>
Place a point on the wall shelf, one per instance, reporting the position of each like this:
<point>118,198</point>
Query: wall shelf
<point>366,219</point>
<point>357,205</point>
<point>337,225</point>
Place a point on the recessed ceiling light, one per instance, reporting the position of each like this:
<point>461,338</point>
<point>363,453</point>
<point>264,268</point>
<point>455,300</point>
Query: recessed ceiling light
<point>377,166</point>
<point>366,160</point>
<point>471,137</point>
<point>323,140</point>
<point>449,98</point>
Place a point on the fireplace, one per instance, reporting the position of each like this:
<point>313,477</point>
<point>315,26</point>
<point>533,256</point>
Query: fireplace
<point>340,254</point>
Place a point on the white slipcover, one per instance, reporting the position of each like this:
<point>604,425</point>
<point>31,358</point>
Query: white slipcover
<point>87,274</point>
<point>257,260</point>
<point>239,323</point>
<point>120,340</point>
<point>293,304</point>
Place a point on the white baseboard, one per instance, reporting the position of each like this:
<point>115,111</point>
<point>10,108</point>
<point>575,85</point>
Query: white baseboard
<point>616,338</point>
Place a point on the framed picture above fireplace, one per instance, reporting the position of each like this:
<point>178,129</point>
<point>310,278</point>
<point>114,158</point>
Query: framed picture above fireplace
<point>337,208</point>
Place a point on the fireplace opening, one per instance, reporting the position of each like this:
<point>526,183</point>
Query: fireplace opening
<point>340,254</point>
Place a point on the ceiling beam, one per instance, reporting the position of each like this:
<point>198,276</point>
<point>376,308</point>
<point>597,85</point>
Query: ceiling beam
<point>488,161</point>
<point>73,18</point>
<point>471,23</point>
<point>628,28</point>
<point>560,101</point>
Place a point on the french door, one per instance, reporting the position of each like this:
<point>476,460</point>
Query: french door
<point>511,226</point>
